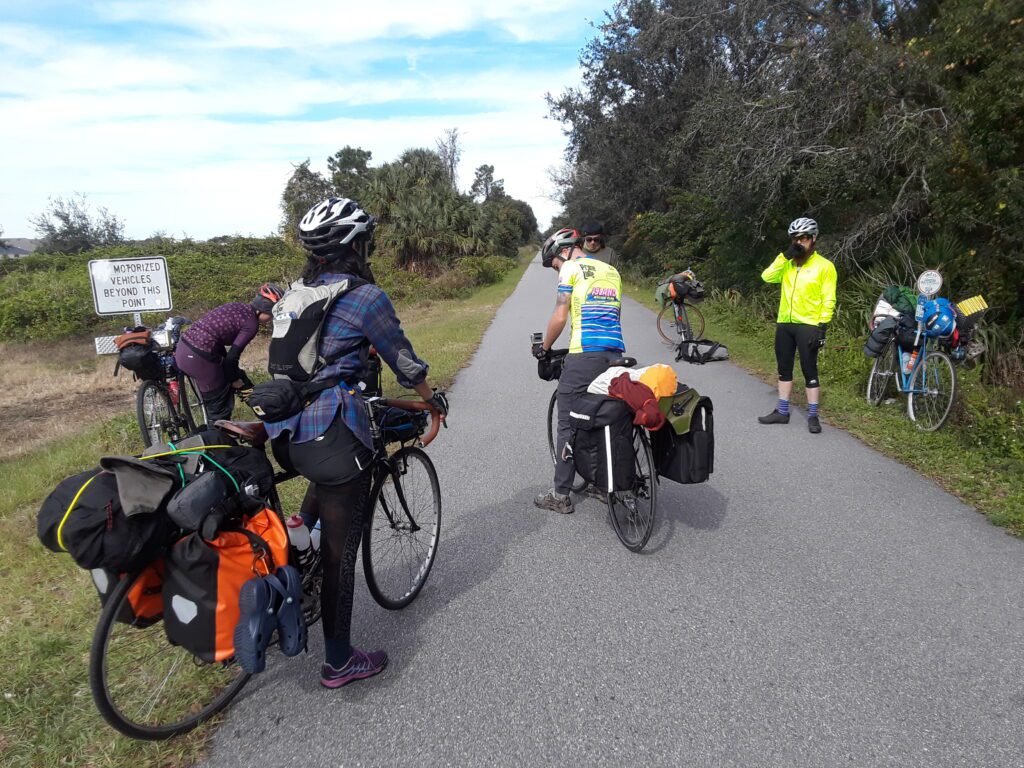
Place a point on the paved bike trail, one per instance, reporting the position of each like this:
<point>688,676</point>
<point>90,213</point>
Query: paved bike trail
<point>814,604</point>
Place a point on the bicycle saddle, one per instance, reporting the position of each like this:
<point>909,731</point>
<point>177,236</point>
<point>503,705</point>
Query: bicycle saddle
<point>252,432</point>
<point>623,362</point>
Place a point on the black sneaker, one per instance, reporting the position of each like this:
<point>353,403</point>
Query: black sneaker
<point>813,425</point>
<point>554,501</point>
<point>774,418</point>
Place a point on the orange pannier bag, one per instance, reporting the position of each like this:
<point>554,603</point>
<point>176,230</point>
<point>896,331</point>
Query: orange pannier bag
<point>203,579</point>
<point>128,338</point>
<point>145,603</point>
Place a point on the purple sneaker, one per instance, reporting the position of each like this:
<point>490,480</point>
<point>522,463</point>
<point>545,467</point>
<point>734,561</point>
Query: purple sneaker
<point>361,664</point>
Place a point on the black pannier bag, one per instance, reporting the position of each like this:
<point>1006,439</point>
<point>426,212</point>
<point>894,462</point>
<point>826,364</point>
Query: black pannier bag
<point>879,337</point>
<point>83,516</point>
<point>690,290</point>
<point>602,442</point>
<point>684,449</point>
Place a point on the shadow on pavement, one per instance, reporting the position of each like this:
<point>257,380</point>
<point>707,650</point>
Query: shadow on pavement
<point>699,506</point>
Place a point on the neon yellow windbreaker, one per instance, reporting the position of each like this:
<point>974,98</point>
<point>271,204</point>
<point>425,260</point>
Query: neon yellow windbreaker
<point>808,290</point>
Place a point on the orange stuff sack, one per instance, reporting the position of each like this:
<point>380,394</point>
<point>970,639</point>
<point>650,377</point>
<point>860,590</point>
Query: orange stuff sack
<point>127,339</point>
<point>203,580</point>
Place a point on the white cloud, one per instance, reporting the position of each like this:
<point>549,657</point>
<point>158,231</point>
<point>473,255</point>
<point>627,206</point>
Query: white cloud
<point>154,133</point>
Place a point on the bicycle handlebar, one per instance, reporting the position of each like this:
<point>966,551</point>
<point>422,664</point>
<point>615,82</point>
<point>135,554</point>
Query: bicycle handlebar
<point>420,405</point>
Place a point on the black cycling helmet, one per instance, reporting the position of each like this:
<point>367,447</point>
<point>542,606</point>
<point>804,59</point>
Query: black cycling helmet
<point>266,297</point>
<point>592,228</point>
<point>553,246</point>
<point>334,223</point>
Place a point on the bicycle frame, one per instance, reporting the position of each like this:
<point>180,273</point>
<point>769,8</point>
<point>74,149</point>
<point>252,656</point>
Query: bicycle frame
<point>683,321</point>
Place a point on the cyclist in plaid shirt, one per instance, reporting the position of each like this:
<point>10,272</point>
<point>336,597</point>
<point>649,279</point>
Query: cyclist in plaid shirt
<point>329,442</point>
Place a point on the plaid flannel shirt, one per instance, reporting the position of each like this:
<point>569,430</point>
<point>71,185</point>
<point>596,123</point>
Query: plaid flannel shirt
<point>363,316</point>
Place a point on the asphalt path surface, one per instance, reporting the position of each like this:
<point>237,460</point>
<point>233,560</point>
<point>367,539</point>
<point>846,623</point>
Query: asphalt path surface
<point>814,604</point>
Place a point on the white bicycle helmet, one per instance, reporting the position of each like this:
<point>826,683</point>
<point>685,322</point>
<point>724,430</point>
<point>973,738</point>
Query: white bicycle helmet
<point>334,223</point>
<point>803,226</point>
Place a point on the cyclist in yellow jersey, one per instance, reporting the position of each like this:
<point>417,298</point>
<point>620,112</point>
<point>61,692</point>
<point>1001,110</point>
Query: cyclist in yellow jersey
<point>805,308</point>
<point>590,297</point>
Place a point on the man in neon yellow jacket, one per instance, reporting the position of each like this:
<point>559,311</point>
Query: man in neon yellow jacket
<point>808,300</point>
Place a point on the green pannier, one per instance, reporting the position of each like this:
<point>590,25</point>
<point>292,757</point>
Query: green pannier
<point>684,449</point>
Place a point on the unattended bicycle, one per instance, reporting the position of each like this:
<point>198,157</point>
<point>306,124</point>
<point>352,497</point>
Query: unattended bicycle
<point>147,688</point>
<point>918,366</point>
<point>631,511</point>
<point>168,404</point>
<point>679,319</point>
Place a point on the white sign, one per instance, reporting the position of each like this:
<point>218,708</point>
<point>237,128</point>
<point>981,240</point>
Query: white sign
<point>124,286</point>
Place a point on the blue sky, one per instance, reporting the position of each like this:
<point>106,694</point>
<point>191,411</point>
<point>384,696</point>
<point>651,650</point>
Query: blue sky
<point>186,117</point>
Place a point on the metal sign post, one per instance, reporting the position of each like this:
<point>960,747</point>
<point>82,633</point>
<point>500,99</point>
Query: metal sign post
<point>123,286</point>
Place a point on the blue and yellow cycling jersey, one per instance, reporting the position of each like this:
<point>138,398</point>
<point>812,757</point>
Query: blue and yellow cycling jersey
<point>595,306</point>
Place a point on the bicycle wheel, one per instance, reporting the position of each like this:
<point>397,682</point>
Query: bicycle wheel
<point>692,318</point>
<point>191,403</point>
<point>578,483</point>
<point>932,389</point>
<point>158,422</point>
<point>633,511</point>
<point>667,324</point>
<point>883,372</point>
<point>400,537</point>
<point>147,688</point>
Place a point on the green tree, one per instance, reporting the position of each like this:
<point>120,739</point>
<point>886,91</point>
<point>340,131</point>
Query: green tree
<point>71,227</point>
<point>305,188</point>
<point>485,186</point>
<point>350,171</point>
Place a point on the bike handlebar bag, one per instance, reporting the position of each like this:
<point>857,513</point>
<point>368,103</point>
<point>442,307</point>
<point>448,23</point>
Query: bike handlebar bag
<point>142,360</point>
<point>398,425</point>
<point>203,579</point>
<point>602,441</point>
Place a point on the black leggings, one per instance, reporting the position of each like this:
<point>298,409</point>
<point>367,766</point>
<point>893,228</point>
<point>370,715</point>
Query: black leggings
<point>341,510</point>
<point>791,338</point>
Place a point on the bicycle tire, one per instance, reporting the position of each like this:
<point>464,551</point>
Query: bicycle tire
<point>633,513</point>
<point>401,534</point>
<point>143,672</point>
<point>155,414</point>
<point>882,372</point>
<point>578,483</point>
<point>928,410</point>
<point>669,330</point>
<point>191,402</point>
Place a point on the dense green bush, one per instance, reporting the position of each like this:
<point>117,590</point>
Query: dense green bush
<point>48,296</point>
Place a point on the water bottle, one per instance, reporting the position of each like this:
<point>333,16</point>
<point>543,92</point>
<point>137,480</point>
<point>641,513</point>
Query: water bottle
<point>314,536</point>
<point>172,387</point>
<point>906,362</point>
<point>298,537</point>
<point>909,366</point>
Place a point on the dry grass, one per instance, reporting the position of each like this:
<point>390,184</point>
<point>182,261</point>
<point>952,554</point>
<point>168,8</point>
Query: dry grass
<point>51,391</point>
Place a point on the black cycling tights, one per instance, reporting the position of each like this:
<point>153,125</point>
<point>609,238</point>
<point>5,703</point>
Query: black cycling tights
<point>791,338</point>
<point>341,509</point>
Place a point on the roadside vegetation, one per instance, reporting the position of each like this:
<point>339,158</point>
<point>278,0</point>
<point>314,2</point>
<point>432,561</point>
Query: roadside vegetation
<point>48,608</point>
<point>978,455</point>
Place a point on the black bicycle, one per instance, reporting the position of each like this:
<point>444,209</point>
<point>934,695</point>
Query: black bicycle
<point>168,405</point>
<point>147,688</point>
<point>632,511</point>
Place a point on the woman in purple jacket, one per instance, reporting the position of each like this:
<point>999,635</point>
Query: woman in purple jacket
<point>211,347</point>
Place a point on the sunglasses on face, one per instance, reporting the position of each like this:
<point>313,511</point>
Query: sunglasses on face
<point>592,239</point>
<point>798,238</point>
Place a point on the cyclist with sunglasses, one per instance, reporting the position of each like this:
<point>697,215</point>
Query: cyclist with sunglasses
<point>595,245</point>
<point>808,299</point>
